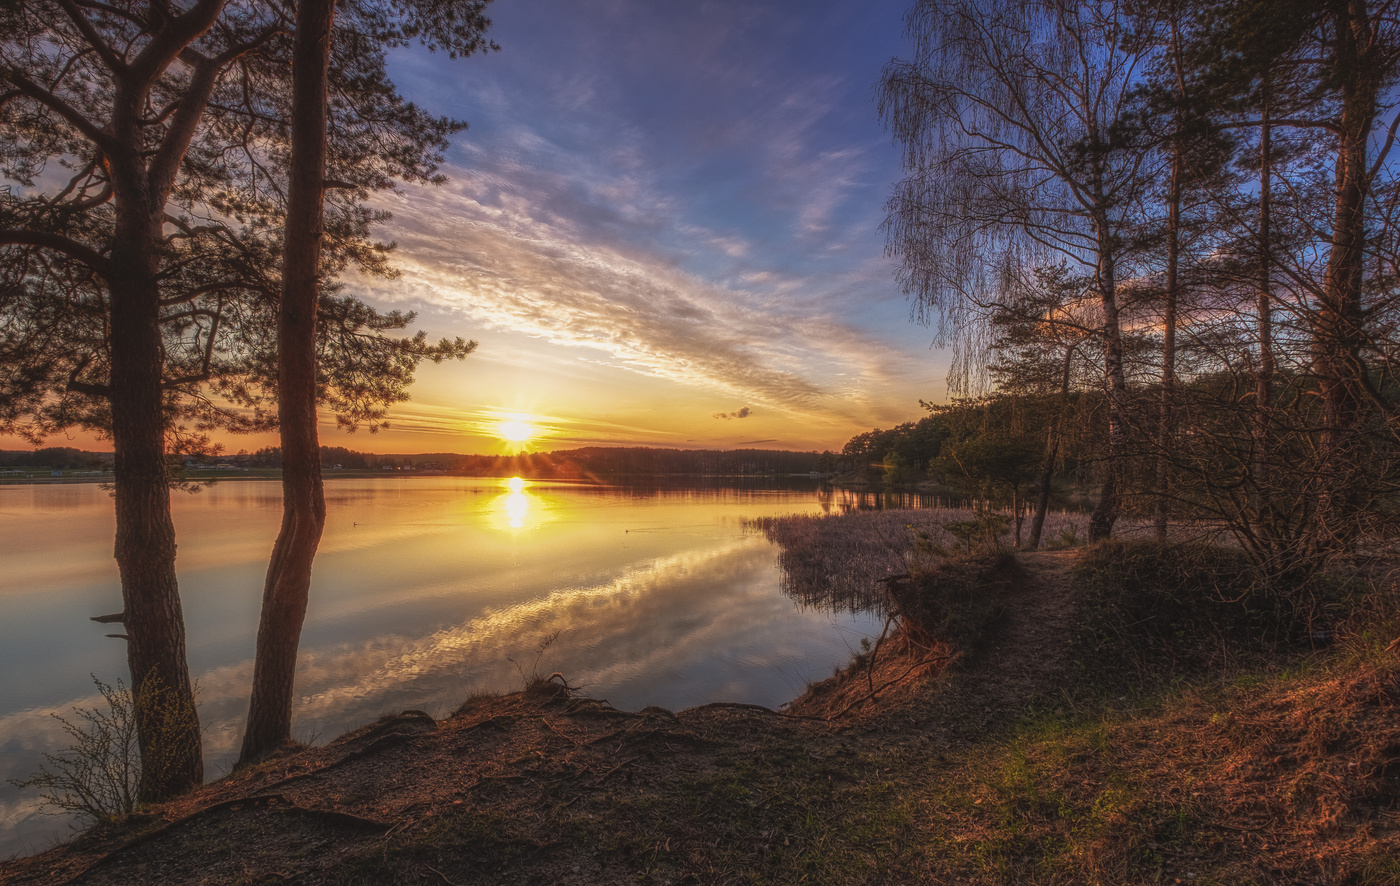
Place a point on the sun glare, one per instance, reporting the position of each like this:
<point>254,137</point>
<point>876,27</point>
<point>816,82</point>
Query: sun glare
<point>515,430</point>
<point>516,508</point>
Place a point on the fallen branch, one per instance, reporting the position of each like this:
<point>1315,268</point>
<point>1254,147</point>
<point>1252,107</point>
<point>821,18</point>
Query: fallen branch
<point>599,780</point>
<point>440,874</point>
<point>374,747</point>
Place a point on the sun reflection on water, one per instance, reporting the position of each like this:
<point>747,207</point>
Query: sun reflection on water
<point>518,509</point>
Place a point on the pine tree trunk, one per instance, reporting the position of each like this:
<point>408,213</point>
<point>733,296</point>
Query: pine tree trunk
<point>1264,381</point>
<point>1337,332</point>
<point>167,724</point>
<point>287,589</point>
<point>1168,392</point>
<point>1052,452</point>
<point>167,721</point>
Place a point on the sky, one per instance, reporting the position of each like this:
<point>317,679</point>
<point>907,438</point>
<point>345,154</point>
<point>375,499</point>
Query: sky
<point>661,227</point>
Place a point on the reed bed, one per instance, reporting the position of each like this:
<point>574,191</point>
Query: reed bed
<point>839,561</point>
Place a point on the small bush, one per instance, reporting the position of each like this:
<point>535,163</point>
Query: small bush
<point>1155,610</point>
<point>173,728</point>
<point>952,604</point>
<point>983,531</point>
<point>1066,538</point>
<point>97,776</point>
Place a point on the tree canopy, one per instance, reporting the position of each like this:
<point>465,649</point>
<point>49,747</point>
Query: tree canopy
<point>1198,195</point>
<point>145,145</point>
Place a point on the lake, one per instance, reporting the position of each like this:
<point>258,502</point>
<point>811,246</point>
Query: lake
<point>425,590</point>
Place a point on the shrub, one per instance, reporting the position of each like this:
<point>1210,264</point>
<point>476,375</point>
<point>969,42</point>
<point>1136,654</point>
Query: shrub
<point>983,531</point>
<point>168,715</point>
<point>1153,610</point>
<point>952,604</point>
<point>97,776</point>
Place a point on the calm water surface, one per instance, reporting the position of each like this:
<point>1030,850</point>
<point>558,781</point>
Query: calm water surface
<point>424,591</point>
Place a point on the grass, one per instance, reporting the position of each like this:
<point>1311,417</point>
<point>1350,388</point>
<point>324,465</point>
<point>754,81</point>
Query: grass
<point>1154,614</point>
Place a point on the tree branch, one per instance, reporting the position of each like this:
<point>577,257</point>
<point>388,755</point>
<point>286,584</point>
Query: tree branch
<point>33,90</point>
<point>193,104</point>
<point>112,10</point>
<point>187,297</point>
<point>92,390</point>
<point>185,380</point>
<point>176,34</point>
<point>186,315</point>
<point>59,243</point>
<point>93,38</point>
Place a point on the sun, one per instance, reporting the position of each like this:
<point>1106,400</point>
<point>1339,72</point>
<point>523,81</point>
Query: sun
<point>515,430</point>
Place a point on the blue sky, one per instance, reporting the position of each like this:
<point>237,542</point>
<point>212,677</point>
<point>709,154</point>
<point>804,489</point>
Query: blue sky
<point>661,214</point>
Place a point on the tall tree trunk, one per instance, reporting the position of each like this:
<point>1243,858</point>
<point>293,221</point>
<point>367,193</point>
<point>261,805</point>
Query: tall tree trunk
<point>1106,512</point>
<point>1052,452</point>
<point>1168,392</point>
<point>1264,381</point>
<point>1337,332</point>
<point>1165,417</point>
<point>1018,512</point>
<point>167,724</point>
<point>288,584</point>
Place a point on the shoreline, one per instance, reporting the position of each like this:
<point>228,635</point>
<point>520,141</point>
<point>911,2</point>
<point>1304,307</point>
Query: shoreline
<point>276,474</point>
<point>1013,766</point>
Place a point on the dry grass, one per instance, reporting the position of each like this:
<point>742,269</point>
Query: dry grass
<point>839,561</point>
<point>1292,781</point>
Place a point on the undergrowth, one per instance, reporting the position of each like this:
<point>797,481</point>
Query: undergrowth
<point>1158,612</point>
<point>97,776</point>
<point>1255,761</point>
<point>953,603</point>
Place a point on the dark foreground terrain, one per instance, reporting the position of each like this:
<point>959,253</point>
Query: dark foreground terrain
<point>1043,724</point>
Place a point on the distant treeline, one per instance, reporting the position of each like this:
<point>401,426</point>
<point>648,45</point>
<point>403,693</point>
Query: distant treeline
<point>59,457</point>
<point>577,463</point>
<point>914,444</point>
<point>571,463</point>
<point>985,445</point>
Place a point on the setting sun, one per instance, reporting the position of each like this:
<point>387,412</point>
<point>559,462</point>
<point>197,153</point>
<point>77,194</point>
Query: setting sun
<point>515,430</point>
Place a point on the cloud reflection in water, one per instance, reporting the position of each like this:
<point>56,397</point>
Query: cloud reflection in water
<point>423,592</point>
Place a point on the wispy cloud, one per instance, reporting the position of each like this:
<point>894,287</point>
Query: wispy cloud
<point>698,204</point>
<point>512,255</point>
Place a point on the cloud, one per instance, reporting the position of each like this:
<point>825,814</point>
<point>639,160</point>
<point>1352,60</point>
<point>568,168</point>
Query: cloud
<point>744,412</point>
<point>698,204</point>
<point>550,258</point>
